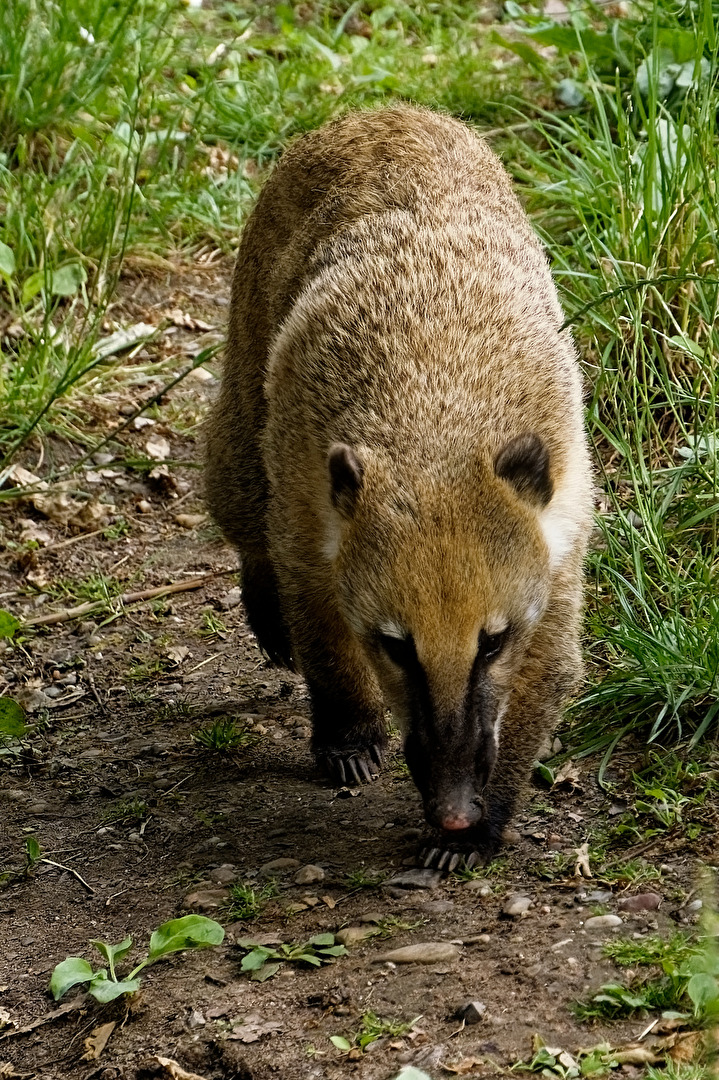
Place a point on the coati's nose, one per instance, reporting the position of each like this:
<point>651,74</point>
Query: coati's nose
<point>452,822</point>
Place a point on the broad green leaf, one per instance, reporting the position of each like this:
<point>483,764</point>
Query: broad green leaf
<point>32,286</point>
<point>340,1042</point>
<point>254,960</point>
<point>7,260</point>
<point>322,939</point>
<point>69,973</point>
<point>189,932</point>
<point>308,958</point>
<point>334,950</point>
<point>265,972</point>
<point>703,991</point>
<point>111,953</point>
<point>9,625</point>
<point>66,280</point>
<point>12,718</point>
<point>104,989</point>
<point>32,849</point>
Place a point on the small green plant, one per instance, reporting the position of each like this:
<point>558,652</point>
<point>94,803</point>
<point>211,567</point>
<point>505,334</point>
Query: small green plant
<point>222,735</point>
<point>189,932</point>
<point>247,901</point>
<point>125,810</point>
<point>370,1030</point>
<point>365,879</point>
<point>212,625</point>
<point>12,719</point>
<point>32,854</point>
<point>392,924</point>
<point>262,961</point>
<point>496,868</point>
<point>119,528</point>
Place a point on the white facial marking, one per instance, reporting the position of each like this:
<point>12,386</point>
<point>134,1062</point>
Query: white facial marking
<point>533,612</point>
<point>393,630</point>
<point>496,624</point>
<point>498,722</point>
<point>331,545</point>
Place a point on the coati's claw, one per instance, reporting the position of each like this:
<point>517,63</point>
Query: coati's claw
<point>364,768</point>
<point>454,862</point>
<point>376,752</point>
<point>443,859</point>
<point>471,860</point>
<point>352,766</point>
<point>348,768</point>
<point>431,856</point>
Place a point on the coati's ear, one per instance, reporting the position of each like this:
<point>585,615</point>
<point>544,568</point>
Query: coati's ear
<point>524,463</point>
<point>346,476</point>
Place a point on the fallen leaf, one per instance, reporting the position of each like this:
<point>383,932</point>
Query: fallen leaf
<point>465,1065</point>
<point>687,1047</point>
<point>581,865</point>
<point>328,901</point>
<point>176,653</point>
<point>32,531</point>
<point>123,339</point>
<point>97,1040</point>
<point>157,448</point>
<point>6,1019</point>
<point>252,1028</point>
<point>568,775</point>
<point>187,322</point>
<point>176,1071</point>
<point>190,521</point>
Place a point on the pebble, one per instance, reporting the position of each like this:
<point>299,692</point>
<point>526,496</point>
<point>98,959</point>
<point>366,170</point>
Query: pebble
<point>277,866</point>
<point>426,952</point>
<point>511,837</point>
<point>602,922</point>
<point>472,1012</point>
<point>415,879</point>
<point>53,691</point>
<point>436,907</point>
<point>478,886</point>
<point>599,896</point>
<point>641,902</point>
<point>231,599</point>
<point>371,917</point>
<point>309,874</point>
<point>206,899</point>
<point>224,875</point>
<point>37,808</point>
<point>353,935</point>
<point>517,906</point>
<point>694,905</point>
<point>196,1019</point>
<point>106,830</point>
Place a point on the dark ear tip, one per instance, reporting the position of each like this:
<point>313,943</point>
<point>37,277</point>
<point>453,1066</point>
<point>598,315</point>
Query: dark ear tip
<point>346,474</point>
<point>524,463</point>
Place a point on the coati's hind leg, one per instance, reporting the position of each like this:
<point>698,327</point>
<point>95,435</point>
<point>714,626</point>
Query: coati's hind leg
<point>551,673</point>
<point>261,600</point>
<point>349,732</point>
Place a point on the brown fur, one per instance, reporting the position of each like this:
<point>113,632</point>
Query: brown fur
<point>393,328</point>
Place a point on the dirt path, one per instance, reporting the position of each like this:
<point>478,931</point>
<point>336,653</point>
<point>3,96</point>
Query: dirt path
<point>148,825</point>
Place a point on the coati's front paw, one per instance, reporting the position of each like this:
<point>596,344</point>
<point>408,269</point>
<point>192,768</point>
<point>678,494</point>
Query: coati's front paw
<point>351,764</point>
<point>439,852</point>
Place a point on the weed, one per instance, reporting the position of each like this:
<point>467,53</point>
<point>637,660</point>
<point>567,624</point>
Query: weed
<point>365,879</point>
<point>262,961</point>
<point>247,902</point>
<point>222,735</point>
<point>119,528</point>
<point>370,1030</point>
<point>32,854</point>
<point>126,810</point>
<point>496,868</point>
<point>178,935</point>
<point>393,924</point>
<point>212,625</point>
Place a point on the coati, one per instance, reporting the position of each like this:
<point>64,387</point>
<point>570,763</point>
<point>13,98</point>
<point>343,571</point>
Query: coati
<point>398,453</point>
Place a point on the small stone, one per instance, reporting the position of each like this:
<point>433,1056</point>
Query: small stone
<point>206,899</point>
<point>371,917</point>
<point>53,691</point>
<point>134,837</point>
<point>354,935</point>
<point>511,837</point>
<point>436,907</point>
<point>554,841</point>
<point>224,875</point>
<point>648,901</point>
<point>196,1019</point>
<point>295,908</point>
<point>106,830</point>
<point>694,905</point>
<point>37,808</point>
<point>278,866</point>
<point>602,922</point>
<point>309,874</point>
<point>415,879</point>
<point>231,599</point>
<point>472,1012</point>
<point>557,746</point>
<point>598,896</point>
<point>427,952</point>
<point>479,886</point>
<point>517,906</point>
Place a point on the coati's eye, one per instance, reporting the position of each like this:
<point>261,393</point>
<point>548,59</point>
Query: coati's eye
<point>400,651</point>
<point>491,645</point>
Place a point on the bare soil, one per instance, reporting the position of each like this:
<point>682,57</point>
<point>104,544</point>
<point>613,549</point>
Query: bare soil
<point>114,739</point>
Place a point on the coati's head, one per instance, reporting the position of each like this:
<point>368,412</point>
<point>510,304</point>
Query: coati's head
<point>443,576</point>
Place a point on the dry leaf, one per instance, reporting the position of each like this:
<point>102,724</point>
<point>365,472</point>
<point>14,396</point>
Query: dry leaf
<point>687,1047</point>
<point>32,531</point>
<point>157,448</point>
<point>7,1069</point>
<point>176,1071</point>
<point>328,901</point>
<point>635,1055</point>
<point>460,1068</point>
<point>6,1019</point>
<point>568,775</point>
<point>581,865</point>
<point>97,1040</point>
<point>252,1028</point>
<point>176,653</point>
<point>190,521</point>
<point>123,339</point>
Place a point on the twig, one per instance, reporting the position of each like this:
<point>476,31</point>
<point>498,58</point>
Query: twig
<point>68,1007</point>
<point>70,870</point>
<point>126,598</point>
<point>74,539</point>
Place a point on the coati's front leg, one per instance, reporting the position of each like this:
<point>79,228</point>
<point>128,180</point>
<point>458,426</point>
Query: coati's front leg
<point>349,732</point>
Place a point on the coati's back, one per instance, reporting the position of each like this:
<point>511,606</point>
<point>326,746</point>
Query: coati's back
<point>398,452</point>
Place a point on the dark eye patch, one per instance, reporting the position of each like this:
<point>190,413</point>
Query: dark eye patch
<point>490,646</point>
<point>401,651</point>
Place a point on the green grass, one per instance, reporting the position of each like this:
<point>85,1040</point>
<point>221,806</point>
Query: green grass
<point>222,735</point>
<point>247,902</point>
